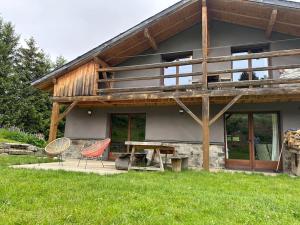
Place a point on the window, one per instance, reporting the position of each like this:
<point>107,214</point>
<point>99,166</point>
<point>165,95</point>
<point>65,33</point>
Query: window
<point>176,70</point>
<point>251,63</point>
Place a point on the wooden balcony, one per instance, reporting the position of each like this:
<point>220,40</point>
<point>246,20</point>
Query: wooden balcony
<point>269,89</point>
<point>268,86</point>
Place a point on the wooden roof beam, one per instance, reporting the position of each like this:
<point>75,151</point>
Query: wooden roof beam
<point>150,38</point>
<point>101,62</point>
<point>271,24</point>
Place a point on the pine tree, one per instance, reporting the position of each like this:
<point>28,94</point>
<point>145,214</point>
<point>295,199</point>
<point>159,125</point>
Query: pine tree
<point>32,62</point>
<point>21,105</point>
<point>59,62</point>
<point>245,76</point>
<point>8,50</point>
<point>32,113</point>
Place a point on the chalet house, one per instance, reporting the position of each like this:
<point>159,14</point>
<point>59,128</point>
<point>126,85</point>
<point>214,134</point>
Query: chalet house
<point>217,79</point>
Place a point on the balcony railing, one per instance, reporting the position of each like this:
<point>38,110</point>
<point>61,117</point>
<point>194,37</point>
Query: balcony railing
<point>201,85</point>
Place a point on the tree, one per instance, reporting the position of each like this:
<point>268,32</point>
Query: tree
<point>32,111</point>
<point>245,76</point>
<point>32,62</point>
<point>21,105</point>
<point>59,62</point>
<point>8,49</point>
<point>9,41</point>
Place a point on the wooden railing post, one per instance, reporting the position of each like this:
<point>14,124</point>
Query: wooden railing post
<point>204,43</point>
<point>96,77</point>
<point>54,122</point>
<point>205,131</point>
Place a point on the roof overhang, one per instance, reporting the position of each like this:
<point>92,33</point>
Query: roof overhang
<point>180,16</point>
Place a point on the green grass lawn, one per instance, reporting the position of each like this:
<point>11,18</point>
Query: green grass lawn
<point>57,197</point>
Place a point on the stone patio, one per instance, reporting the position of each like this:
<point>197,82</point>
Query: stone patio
<point>71,165</point>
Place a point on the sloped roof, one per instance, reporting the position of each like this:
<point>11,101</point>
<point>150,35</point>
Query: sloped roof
<point>180,16</point>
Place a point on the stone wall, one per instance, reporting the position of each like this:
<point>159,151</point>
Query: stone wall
<point>192,150</point>
<point>19,149</point>
<point>195,154</point>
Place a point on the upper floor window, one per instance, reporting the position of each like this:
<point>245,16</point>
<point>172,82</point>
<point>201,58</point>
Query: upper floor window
<point>176,70</point>
<point>250,63</point>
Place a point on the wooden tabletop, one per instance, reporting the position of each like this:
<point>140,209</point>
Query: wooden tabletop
<point>148,144</point>
<point>164,148</point>
<point>128,153</point>
<point>143,143</point>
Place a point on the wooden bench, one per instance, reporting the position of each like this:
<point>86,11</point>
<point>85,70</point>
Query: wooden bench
<point>179,163</point>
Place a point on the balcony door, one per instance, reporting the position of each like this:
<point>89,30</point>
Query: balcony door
<point>252,141</point>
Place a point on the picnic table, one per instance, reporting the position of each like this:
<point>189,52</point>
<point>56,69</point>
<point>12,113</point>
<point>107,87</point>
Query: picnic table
<point>158,149</point>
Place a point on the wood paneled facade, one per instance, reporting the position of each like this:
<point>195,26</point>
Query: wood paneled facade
<point>81,81</point>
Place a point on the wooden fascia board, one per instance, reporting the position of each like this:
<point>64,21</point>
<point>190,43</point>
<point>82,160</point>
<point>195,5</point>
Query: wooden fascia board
<point>190,94</point>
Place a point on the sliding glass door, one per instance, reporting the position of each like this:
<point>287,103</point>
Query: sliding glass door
<point>266,140</point>
<point>119,132</point>
<point>237,141</point>
<point>126,127</point>
<point>252,140</point>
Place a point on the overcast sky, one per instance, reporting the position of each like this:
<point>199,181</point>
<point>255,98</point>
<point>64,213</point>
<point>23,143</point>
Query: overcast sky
<point>72,27</point>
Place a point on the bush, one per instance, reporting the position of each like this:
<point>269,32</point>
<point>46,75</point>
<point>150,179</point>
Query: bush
<point>23,137</point>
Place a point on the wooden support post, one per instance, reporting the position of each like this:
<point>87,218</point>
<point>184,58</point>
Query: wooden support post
<point>205,131</point>
<point>54,123</point>
<point>177,77</point>
<point>204,43</point>
<point>96,77</point>
<point>271,23</point>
